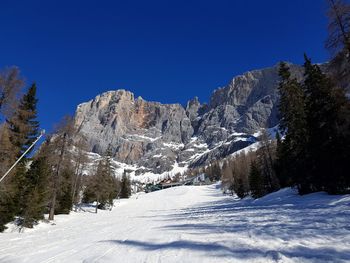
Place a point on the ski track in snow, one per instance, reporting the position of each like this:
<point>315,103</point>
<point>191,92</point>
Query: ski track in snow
<point>193,224</point>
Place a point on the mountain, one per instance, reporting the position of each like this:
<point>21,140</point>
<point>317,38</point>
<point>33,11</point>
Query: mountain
<point>150,138</point>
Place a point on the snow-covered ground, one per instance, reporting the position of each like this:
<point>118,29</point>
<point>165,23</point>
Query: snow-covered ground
<point>193,224</point>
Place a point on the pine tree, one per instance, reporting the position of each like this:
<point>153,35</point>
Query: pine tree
<point>239,188</point>
<point>7,205</point>
<point>125,190</point>
<point>10,85</point>
<point>280,166</point>
<point>102,187</point>
<point>36,193</point>
<point>293,124</point>
<point>112,184</point>
<point>328,124</point>
<point>23,131</point>
<point>64,195</point>
<point>256,181</point>
<point>8,191</point>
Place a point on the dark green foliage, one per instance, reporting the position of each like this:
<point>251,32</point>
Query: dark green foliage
<point>7,204</point>
<point>328,126</point>
<point>280,165</point>
<point>240,189</point>
<point>36,193</point>
<point>26,195</point>
<point>102,187</point>
<point>64,195</point>
<point>256,181</point>
<point>315,118</point>
<point>17,135</point>
<point>291,152</point>
<point>125,191</point>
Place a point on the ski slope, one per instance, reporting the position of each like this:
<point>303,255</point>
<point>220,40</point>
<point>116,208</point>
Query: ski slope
<point>193,224</point>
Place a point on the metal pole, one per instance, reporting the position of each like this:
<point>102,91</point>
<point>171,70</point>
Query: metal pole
<point>30,147</point>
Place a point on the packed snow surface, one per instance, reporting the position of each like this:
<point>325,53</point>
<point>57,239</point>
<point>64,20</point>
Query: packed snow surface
<point>193,224</point>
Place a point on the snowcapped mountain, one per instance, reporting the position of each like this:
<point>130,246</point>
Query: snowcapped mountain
<point>154,139</point>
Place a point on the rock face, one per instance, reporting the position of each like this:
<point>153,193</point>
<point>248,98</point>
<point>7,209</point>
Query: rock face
<point>133,129</point>
<point>155,137</point>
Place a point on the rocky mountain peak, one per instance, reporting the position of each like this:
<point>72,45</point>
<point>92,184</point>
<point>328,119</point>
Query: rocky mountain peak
<point>150,137</point>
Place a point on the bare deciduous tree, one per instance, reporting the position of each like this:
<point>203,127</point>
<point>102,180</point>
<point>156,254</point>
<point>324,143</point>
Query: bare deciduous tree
<point>60,157</point>
<point>339,26</point>
<point>10,86</point>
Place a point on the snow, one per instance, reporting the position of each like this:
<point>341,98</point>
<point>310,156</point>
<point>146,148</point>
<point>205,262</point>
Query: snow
<point>193,224</point>
<point>201,145</point>
<point>190,150</point>
<point>270,131</point>
<point>252,147</point>
<point>143,137</point>
<point>174,145</point>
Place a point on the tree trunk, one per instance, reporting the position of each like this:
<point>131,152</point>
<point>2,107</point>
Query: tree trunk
<point>77,175</point>
<point>96,206</point>
<point>52,207</point>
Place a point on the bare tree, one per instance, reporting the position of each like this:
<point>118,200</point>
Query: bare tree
<point>80,159</point>
<point>7,151</point>
<point>59,157</point>
<point>266,156</point>
<point>10,86</point>
<point>339,26</point>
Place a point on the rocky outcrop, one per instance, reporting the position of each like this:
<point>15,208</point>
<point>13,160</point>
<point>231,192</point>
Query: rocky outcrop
<point>154,137</point>
<point>133,129</point>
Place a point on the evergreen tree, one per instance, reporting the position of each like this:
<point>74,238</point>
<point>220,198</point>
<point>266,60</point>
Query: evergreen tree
<point>64,195</point>
<point>7,205</point>
<point>256,181</point>
<point>112,184</point>
<point>125,191</point>
<point>8,191</point>
<point>239,188</point>
<point>36,193</point>
<point>102,187</point>
<point>328,126</point>
<point>291,151</point>
<point>281,164</point>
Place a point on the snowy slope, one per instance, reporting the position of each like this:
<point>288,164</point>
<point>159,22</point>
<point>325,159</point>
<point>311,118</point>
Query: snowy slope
<point>193,224</point>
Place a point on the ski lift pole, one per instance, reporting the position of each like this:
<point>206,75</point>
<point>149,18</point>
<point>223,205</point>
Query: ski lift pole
<point>20,158</point>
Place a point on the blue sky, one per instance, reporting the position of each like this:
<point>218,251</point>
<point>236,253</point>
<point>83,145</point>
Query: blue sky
<point>167,51</point>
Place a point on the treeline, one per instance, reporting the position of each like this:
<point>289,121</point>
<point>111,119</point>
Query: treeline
<point>312,148</point>
<point>52,181</point>
<point>253,172</point>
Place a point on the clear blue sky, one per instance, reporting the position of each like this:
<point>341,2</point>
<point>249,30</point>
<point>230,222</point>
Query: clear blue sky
<point>167,51</point>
